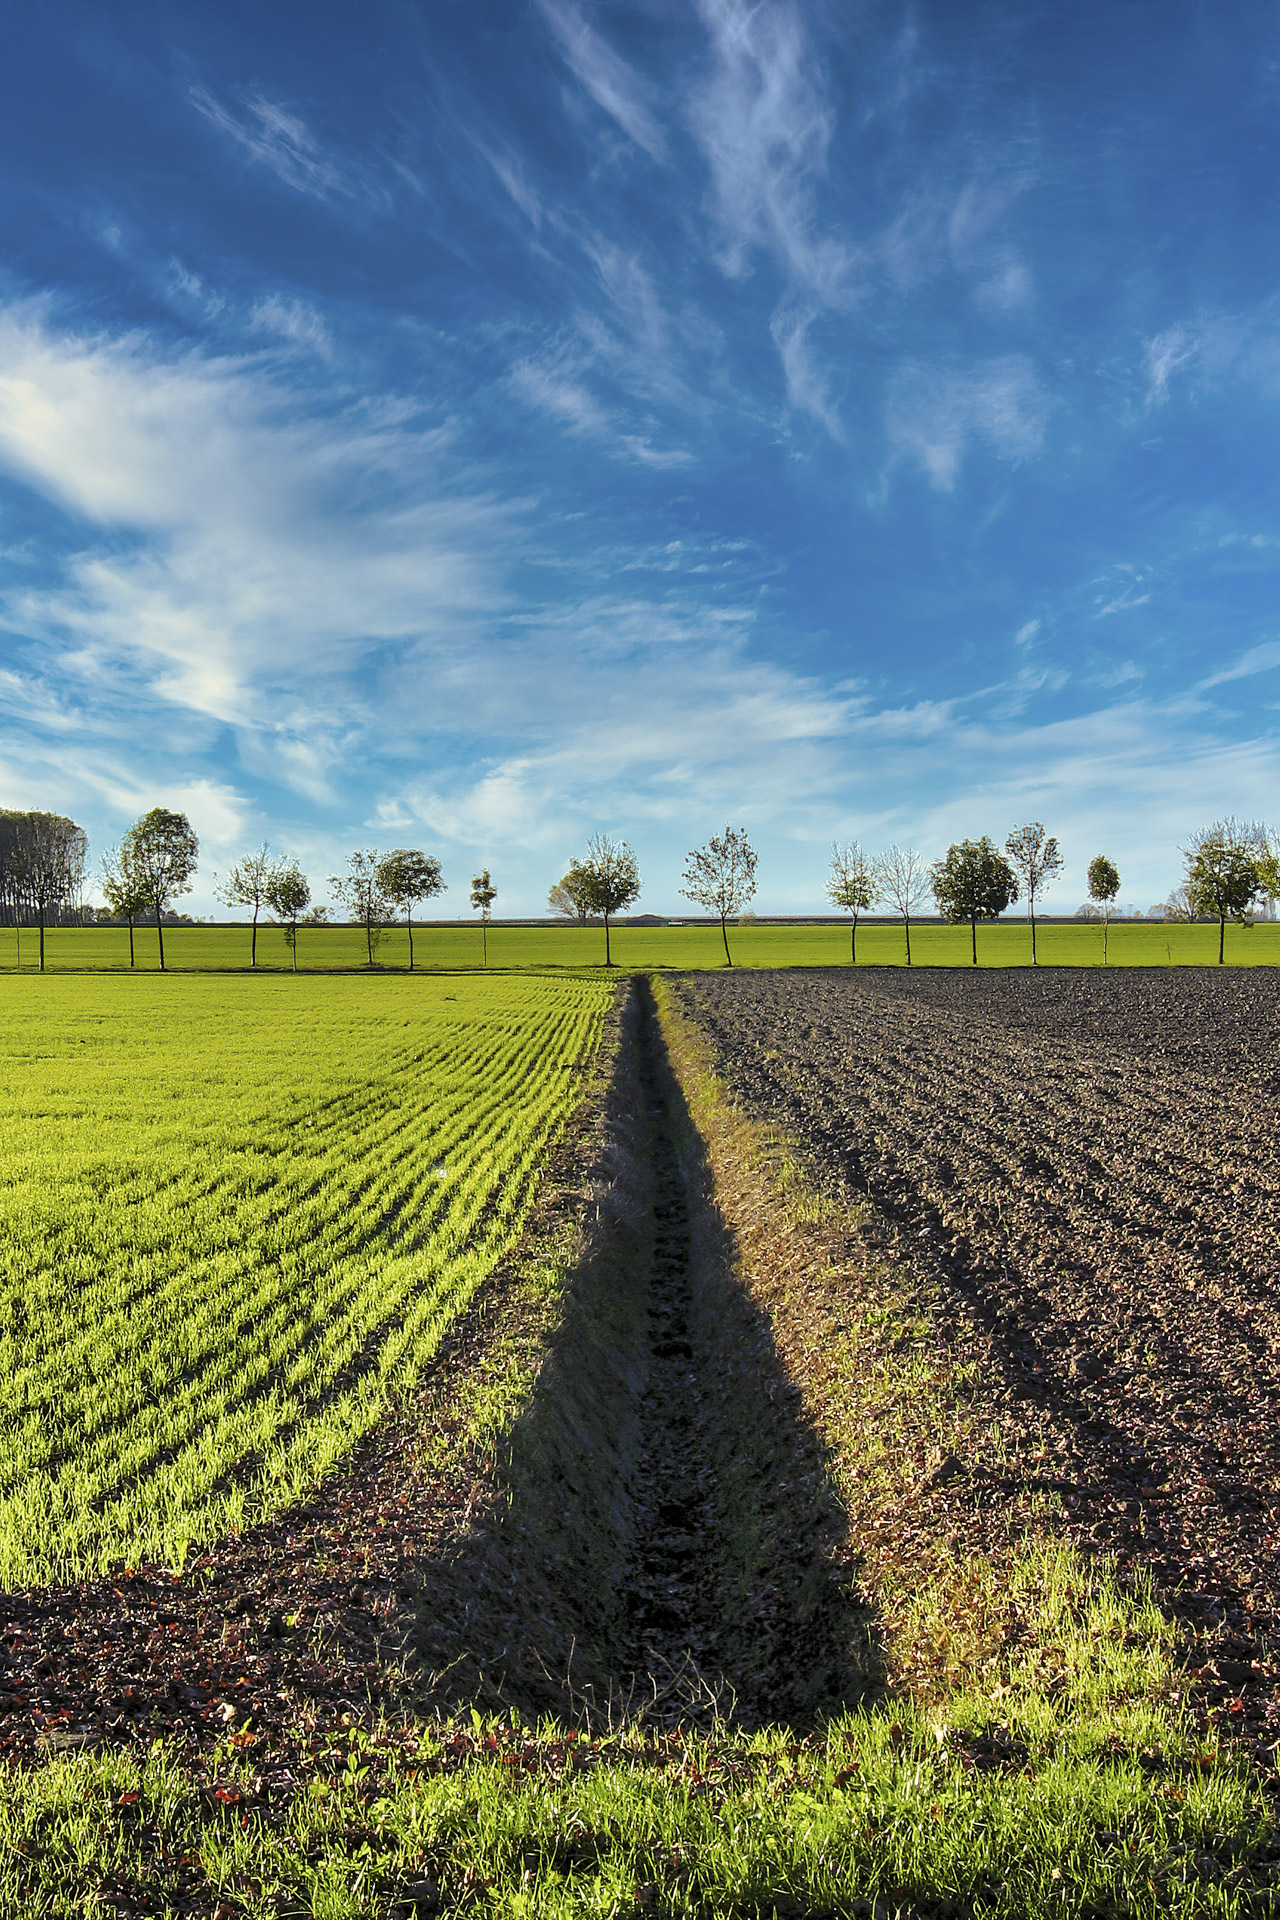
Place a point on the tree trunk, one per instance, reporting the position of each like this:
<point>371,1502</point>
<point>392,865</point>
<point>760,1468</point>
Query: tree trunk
<point>42,937</point>
<point>608,962</point>
<point>1222,937</point>
<point>160,935</point>
<point>409,917</point>
<point>1106,928</point>
<point>906,922</point>
<point>368,939</point>
<point>131,945</point>
<point>853,942</point>
<point>253,943</point>
<point>484,941</point>
<point>724,934</point>
<point>293,946</point>
<point>973,928</point>
<point>1034,961</point>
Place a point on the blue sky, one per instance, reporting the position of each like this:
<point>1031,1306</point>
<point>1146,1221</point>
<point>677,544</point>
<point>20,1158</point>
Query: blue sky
<point>475,425</point>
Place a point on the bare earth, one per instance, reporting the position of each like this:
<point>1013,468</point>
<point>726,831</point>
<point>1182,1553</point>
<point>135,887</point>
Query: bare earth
<point>1083,1169</point>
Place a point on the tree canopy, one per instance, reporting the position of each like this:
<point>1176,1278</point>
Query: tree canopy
<point>483,895</point>
<point>246,886</point>
<point>607,881</point>
<point>158,859</point>
<point>851,885</point>
<point>406,876</point>
<point>288,895</point>
<point>1223,878</point>
<point>567,898</point>
<point>362,893</point>
<point>721,876</point>
<point>900,879</point>
<point>1104,890</point>
<point>973,881</point>
<point>1038,862</point>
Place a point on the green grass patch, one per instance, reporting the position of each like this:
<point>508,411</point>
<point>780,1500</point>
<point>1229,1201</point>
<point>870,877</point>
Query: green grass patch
<point>235,1224</point>
<point>755,944</point>
<point>493,1818</point>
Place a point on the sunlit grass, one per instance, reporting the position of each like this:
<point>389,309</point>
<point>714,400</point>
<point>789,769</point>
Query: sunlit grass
<point>754,944</point>
<point>235,1221</point>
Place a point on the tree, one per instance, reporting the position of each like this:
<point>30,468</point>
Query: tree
<point>288,895</point>
<point>1222,872</point>
<point>608,881</point>
<point>407,876</point>
<point>721,876</point>
<point>1178,905</point>
<point>49,860</point>
<point>1269,868</point>
<point>125,901</point>
<point>483,895</point>
<point>158,859</point>
<point>247,886</point>
<point>566,899</point>
<point>361,893</point>
<point>1104,889</point>
<point>973,882</point>
<point>900,879</point>
<point>851,886</point>
<point>1038,862</point>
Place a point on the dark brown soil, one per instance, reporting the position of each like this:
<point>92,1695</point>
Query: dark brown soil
<point>1081,1171</point>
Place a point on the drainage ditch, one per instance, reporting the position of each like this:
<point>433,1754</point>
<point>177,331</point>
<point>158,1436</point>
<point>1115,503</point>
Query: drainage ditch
<point>660,1531</point>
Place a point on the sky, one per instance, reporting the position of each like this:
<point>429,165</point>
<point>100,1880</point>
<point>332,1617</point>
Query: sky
<point>472,426</point>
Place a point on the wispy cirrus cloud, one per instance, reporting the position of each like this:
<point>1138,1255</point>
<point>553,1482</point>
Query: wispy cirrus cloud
<point>934,412</point>
<point>764,121</point>
<point>279,139</point>
<point>615,86</point>
<point>1260,659</point>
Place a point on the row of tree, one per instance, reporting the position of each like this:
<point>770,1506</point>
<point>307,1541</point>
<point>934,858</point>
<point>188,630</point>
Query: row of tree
<point>43,857</point>
<point>1229,867</point>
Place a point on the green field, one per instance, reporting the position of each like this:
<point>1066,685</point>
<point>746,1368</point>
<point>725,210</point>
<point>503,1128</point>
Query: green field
<point>234,1220</point>
<point>758,944</point>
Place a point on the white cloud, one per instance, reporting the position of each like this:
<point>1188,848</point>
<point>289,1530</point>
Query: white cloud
<point>1124,602</point>
<point>1260,659</point>
<point>325,577</point>
<point>242,543</point>
<point>612,84</point>
<point>278,139</point>
<point>1168,353</point>
<point>765,123</point>
<point>551,387</point>
<point>293,320</point>
<point>934,412</point>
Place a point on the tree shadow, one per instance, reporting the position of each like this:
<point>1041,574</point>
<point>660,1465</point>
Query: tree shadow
<point>660,1534</point>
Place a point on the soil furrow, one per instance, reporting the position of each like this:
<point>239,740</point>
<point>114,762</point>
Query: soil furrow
<point>1083,1174</point>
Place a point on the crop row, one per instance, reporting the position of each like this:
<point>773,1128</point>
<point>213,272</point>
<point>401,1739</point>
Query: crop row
<point>233,1232</point>
<point>1085,1175</point>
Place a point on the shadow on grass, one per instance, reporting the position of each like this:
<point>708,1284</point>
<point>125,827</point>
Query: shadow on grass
<point>659,1533</point>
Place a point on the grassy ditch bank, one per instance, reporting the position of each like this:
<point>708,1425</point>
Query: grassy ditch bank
<point>699,1633</point>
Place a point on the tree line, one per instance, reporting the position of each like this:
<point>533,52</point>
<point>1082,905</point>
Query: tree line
<point>1229,866</point>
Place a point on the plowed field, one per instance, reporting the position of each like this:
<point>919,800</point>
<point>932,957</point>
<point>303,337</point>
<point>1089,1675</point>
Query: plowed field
<point>1082,1173</point>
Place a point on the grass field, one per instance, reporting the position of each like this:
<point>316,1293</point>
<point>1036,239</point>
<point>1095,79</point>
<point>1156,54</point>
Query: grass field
<point>234,1223</point>
<point>237,1217</point>
<point>440,948</point>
